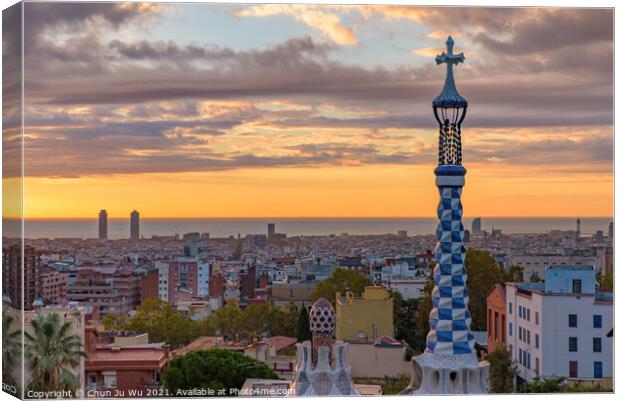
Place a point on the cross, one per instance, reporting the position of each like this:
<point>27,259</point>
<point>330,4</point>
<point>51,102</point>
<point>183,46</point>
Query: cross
<point>449,95</point>
<point>450,58</point>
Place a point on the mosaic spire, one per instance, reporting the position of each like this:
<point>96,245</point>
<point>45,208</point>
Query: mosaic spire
<point>450,319</point>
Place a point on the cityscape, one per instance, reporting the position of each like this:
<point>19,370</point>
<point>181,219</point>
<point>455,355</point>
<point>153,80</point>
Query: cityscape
<point>298,154</point>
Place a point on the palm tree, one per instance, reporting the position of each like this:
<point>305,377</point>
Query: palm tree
<point>53,354</point>
<point>11,344</point>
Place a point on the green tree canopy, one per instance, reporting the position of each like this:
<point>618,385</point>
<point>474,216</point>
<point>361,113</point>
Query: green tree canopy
<point>11,349</point>
<point>607,280</point>
<point>53,355</point>
<point>161,322</point>
<point>535,278</point>
<point>425,305</point>
<point>502,371</point>
<point>514,274</point>
<point>339,281</point>
<point>216,369</point>
<point>482,274</point>
<point>405,318</point>
<point>248,324</point>
<point>303,331</point>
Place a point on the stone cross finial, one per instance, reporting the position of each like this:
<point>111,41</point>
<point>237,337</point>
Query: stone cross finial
<point>450,58</point>
<point>449,96</point>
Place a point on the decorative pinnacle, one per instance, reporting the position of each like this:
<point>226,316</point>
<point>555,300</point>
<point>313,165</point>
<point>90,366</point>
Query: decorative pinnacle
<point>449,96</point>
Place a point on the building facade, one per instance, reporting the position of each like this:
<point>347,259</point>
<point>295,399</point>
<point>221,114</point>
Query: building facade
<point>496,317</point>
<point>14,274</point>
<point>365,318</point>
<point>560,327</point>
<point>103,224</point>
<point>135,225</point>
<point>52,286</point>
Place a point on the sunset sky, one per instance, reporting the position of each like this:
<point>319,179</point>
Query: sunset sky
<point>181,110</point>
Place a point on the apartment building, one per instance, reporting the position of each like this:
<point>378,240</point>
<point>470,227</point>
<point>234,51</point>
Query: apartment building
<point>561,327</point>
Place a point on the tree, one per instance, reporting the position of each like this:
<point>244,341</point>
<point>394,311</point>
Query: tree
<point>546,385</point>
<point>607,280</point>
<point>422,325</point>
<point>502,371</point>
<point>219,370</point>
<point>164,324</point>
<point>250,323</point>
<point>404,318</point>
<point>11,344</point>
<point>395,385</point>
<point>53,354</point>
<point>482,274</point>
<point>534,278</point>
<point>514,274</point>
<point>303,331</point>
<point>339,281</point>
<point>115,321</point>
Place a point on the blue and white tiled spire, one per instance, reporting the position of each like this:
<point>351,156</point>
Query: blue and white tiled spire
<point>449,364</point>
<point>450,319</point>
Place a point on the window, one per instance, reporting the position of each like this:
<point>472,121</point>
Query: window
<point>510,308</point>
<point>596,344</point>
<point>489,318</point>
<point>496,329</point>
<point>528,315</point>
<point>576,286</point>
<point>520,356</point>
<point>536,340</point>
<point>572,369</point>
<point>520,335</point>
<point>598,369</point>
<point>597,321</point>
<point>528,360</point>
<point>510,329</point>
<point>572,344</point>
<point>528,336</point>
<point>536,317</point>
<point>572,320</point>
<point>520,310</point>
<point>109,379</point>
<point>536,365</point>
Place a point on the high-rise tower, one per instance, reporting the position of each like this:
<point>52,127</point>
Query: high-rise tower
<point>135,225</point>
<point>449,364</point>
<point>103,224</point>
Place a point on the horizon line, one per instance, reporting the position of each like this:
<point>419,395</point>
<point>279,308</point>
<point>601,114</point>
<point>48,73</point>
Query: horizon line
<point>95,217</point>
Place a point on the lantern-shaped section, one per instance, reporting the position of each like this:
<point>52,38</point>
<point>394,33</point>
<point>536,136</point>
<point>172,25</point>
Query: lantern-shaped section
<point>449,109</point>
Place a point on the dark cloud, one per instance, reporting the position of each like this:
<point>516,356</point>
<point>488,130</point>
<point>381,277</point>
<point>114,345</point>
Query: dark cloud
<point>533,68</point>
<point>550,30</point>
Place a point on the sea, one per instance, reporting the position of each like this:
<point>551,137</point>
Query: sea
<point>225,227</point>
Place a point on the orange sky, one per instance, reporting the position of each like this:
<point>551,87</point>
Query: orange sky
<point>314,192</point>
<point>200,110</point>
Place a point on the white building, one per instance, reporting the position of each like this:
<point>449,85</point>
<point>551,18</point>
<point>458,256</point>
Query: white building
<point>560,327</point>
<point>203,280</point>
<point>162,268</point>
<point>408,287</point>
<point>538,263</point>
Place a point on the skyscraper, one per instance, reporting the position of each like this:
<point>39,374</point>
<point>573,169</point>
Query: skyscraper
<point>14,274</point>
<point>476,225</point>
<point>103,224</point>
<point>271,231</point>
<point>610,233</point>
<point>449,364</point>
<point>135,225</point>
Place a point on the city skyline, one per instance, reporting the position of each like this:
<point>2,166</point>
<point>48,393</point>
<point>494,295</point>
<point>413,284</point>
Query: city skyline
<point>170,106</point>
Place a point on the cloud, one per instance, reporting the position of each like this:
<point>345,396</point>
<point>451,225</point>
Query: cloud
<point>131,106</point>
<point>315,17</point>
